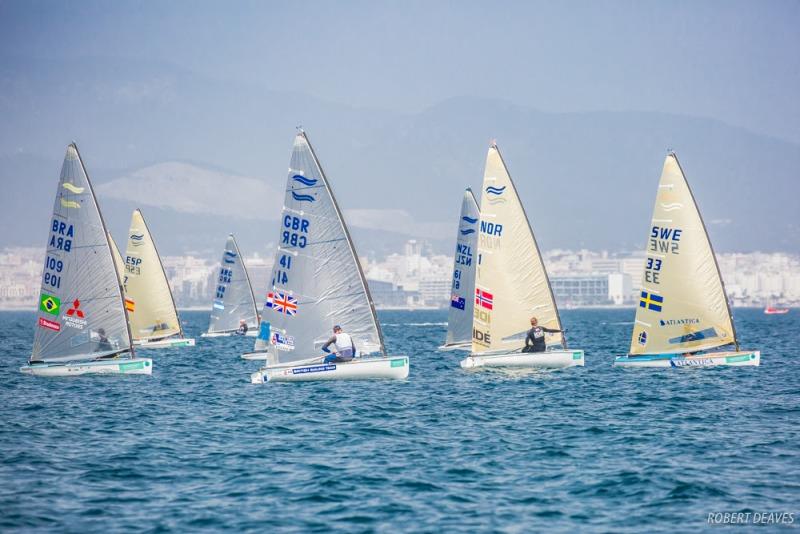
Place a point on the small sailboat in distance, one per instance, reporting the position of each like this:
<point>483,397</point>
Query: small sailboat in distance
<point>317,282</point>
<point>459,316</point>
<point>511,284</point>
<point>151,309</point>
<point>683,310</point>
<point>82,327</point>
<point>234,301</point>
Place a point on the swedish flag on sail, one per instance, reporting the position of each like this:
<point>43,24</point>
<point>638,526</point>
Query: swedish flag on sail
<point>651,301</point>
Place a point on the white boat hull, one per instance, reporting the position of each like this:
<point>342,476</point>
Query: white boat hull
<point>114,366</point>
<point>711,359</point>
<point>390,367</point>
<point>467,346</point>
<point>164,343</point>
<point>250,333</point>
<point>554,359</point>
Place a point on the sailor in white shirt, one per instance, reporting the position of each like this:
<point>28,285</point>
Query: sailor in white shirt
<point>345,349</point>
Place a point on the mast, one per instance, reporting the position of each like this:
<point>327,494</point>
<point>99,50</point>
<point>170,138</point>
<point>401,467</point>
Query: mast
<point>711,246</point>
<point>535,243</point>
<point>246,276</point>
<point>363,279</point>
<point>163,272</point>
<point>108,245</point>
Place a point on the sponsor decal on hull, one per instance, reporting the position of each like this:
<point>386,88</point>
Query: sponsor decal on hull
<point>313,369</point>
<point>693,362</point>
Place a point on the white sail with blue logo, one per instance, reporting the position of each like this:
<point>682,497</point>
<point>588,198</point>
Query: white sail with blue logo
<point>511,283</point>
<point>317,281</point>
<point>148,297</point>
<point>459,316</point>
<point>233,295</point>
<point>81,322</point>
<point>682,304</point>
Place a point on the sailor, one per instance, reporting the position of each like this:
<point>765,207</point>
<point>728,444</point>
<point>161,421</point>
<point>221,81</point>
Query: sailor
<point>242,330</point>
<point>343,343</point>
<point>534,342</point>
<point>103,344</point>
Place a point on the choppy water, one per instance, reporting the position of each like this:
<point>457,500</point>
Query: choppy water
<point>196,446</point>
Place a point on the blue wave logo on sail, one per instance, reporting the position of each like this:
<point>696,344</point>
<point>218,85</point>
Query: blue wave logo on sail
<point>302,198</point>
<point>469,219</point>
<point>495,190</point>
<point>303,180</point>
<point>137,240</point>
<point>230,257</point>
<point>467,231</point>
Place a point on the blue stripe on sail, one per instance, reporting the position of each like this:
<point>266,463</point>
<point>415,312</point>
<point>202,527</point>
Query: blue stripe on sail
<point>708,333</point>
<point>467,231</point>
<point>303,180</point>
<point>495,190</point>
<point>229,257</point>
<point>469,219</point>
<point>302,198</point>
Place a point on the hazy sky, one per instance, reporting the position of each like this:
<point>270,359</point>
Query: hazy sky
<point>734,61</point>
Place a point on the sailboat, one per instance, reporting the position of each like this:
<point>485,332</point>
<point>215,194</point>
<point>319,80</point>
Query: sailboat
<point>233,296</point>
<point>511,283</point>
<point>82,326</point>
<point>317,282</point>
<point>683,310</point>
<point>459,316</point>
<point>151,309</point>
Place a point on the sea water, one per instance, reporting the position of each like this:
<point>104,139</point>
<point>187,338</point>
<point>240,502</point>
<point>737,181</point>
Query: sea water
<point>197,447</point>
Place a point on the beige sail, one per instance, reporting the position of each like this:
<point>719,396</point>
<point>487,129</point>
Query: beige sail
<point>682,305</point>
<point>511,283</point>
<point>151,310</point>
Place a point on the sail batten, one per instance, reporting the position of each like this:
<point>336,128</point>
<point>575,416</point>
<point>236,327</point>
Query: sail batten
<point>148,297</point>
<point>682,304</point>
<point>511,284</point>
<point>80,313</point>
<point>465,259</point>
<point>317,281</point>
<point>233,295</point>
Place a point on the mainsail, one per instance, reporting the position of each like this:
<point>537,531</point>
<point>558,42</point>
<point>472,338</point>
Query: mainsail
<point>511,284</point>
<point>233,296</point>
<point>317,280</point>
<point>459,316</point>
<point>682,304</point>
<point>80,315</point>
<point>148,298</point>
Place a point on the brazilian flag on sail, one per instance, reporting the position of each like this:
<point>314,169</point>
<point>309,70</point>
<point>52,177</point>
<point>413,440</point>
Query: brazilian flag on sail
<point>49,304</point>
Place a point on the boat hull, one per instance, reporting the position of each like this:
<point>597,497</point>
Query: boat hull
<point>164,343</point>
<point>555,359</point>
<point>250,333</point>
<point>467,346</point>
<point>115,366</point>
<point>390,367</point>
<point>712,359</point>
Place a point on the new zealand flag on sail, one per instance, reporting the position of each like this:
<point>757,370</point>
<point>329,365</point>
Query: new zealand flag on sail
<point>458,302</point>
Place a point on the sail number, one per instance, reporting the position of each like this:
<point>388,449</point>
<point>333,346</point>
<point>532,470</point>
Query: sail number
<point>456,279</point>
<point>652,270</point>
<point>281,275</point>
<point>53,266</point>
<point>295,227</point>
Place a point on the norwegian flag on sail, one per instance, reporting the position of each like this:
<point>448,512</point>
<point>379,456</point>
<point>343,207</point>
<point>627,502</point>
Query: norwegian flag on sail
<point>283,303</point>
<point>484,299</point>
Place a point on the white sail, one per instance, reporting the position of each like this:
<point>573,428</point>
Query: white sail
<point>462,299</point>
<point>317,280</point>
<point>233,295</point>
<point>682,305</point>
<point>511,284</point>
<point>80,315</point>
<point>148,298</point>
